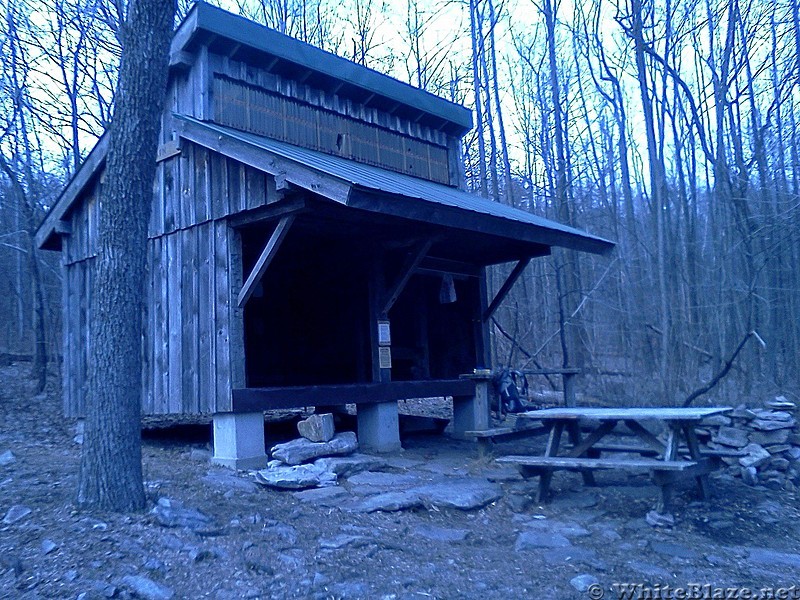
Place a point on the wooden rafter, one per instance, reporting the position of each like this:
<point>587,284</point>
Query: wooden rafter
<point>267,254</point>
<point>509,283</point>
<point>409,266</point>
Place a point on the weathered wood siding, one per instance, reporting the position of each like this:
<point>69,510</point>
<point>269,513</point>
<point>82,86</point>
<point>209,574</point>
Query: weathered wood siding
<point>193,347</point>
<point>328,125</point>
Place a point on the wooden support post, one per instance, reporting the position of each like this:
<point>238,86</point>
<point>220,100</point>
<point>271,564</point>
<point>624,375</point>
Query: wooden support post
<point>267,255</point>
<point>505,288</point>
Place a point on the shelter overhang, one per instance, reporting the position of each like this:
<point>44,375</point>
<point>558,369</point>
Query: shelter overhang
<point>382,192</point>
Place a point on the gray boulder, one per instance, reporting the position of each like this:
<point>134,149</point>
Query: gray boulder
<point>295,477</point>
<point>302,450</point>
<point>756,456</point>
<point>317,428</point>
<point>731,436</point>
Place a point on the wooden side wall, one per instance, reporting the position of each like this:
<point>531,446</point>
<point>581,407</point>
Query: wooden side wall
<point>193,345</point>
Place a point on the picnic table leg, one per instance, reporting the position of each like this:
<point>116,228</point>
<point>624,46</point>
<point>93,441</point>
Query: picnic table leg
<point>694,453</point>
<point>574,430</point>
<point>553,441</point>
<point>670,453</point>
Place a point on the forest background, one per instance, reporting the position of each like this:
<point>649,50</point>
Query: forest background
<point>670,127</point>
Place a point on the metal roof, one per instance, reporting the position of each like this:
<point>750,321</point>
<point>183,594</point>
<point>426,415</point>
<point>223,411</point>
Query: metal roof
<point>204,19</point>
<point>404,188</point>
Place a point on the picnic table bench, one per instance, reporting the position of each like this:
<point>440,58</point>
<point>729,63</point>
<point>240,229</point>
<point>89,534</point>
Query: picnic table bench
<point>679,457</point>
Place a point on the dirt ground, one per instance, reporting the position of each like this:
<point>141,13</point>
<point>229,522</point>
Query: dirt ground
<point>260,543</point>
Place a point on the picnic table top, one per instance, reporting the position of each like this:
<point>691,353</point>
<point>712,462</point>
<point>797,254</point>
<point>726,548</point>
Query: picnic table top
<point>622,414</point>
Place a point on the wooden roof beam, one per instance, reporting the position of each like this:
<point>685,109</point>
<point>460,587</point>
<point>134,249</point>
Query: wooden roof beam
<point>506,287</point>
<point>267,255</point>
<point>409,266</point>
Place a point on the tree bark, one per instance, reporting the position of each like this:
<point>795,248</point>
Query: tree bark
<point>111,465</point>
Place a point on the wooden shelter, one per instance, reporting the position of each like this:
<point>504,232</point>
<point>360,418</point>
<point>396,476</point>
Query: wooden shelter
<point>309,242</point>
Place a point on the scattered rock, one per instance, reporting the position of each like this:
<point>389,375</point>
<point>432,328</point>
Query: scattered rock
<point>742,412</point>
<point>778,436</point>
<point>674,550</point>
<point>155,565</point>
<point>464,494</point>
<point>576,500</point>
<point>650,570</point>
<point>582,582</point>
<point>756,455</point>
<point>773,557</point>
<point>48,546</point>
<point>656,519</point>
<point>750,476</point>
<point>780,403</point>
<point>323,496</point>
<point>302,450</point>
<point>441,534</point>
<point>317,428</point>
<point>793,454</point>
<point>7,458</point>
<point>339,541</point>
<point>384,480</point>
<point>200,455</point>
<point>717,421</point>
<point>168,513</point>
<point>16,513</point>
<point>347,466</point>
<point>229,481</point>
<point>296,477</point>
<point>259,558</point>
<point>147,588</point>
<point>386,502</point>
<point>533,539</point>
<point>731,436</point>
<point>772,425</point>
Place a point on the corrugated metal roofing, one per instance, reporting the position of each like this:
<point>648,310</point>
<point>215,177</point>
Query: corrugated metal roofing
<point>368,177</point>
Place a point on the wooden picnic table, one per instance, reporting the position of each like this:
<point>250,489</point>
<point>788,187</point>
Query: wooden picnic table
<point>678,457</point>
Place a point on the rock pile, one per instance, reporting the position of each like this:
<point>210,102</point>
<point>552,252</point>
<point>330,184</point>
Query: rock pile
<point>332,454</point>
<point>768,439</point>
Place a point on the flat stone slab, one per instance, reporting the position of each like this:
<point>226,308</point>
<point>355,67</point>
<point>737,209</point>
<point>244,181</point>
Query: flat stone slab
<point>324,496</point>
<point>562,528</point>
<point>441,534</point>
<point>387,502</point>
<point>384,480</point>
<point>773,557</point>
<point>172,514</point>
<point>347,466</point>
<point>464,494</point>
<point>147,588</point>
<point>582,582</point>
<point>771,425</point>
<point>16,513</point>
<point>731,436</point>
<point>302,450</point>
<point>536,540</point>
<point>230,482</point>
<point>7,458</point>
<point>756,456</point>
<point>317,428</point>
<point>649,569</point>
<point>295,477</point>
<point>674,550</point>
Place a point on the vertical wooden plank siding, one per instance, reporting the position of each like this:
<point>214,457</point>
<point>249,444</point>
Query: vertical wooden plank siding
<point>206,381</point>
<point>236,335</point>
<point>189,320</point>
<point>161,341</point>
<point>175,323</point>
<point>147,342</point>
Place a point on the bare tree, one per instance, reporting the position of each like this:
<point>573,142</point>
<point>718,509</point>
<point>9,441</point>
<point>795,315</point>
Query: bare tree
<point>111,464</point>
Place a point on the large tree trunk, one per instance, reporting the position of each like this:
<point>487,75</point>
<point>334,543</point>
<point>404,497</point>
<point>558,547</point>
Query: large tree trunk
<point>111,466</point>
